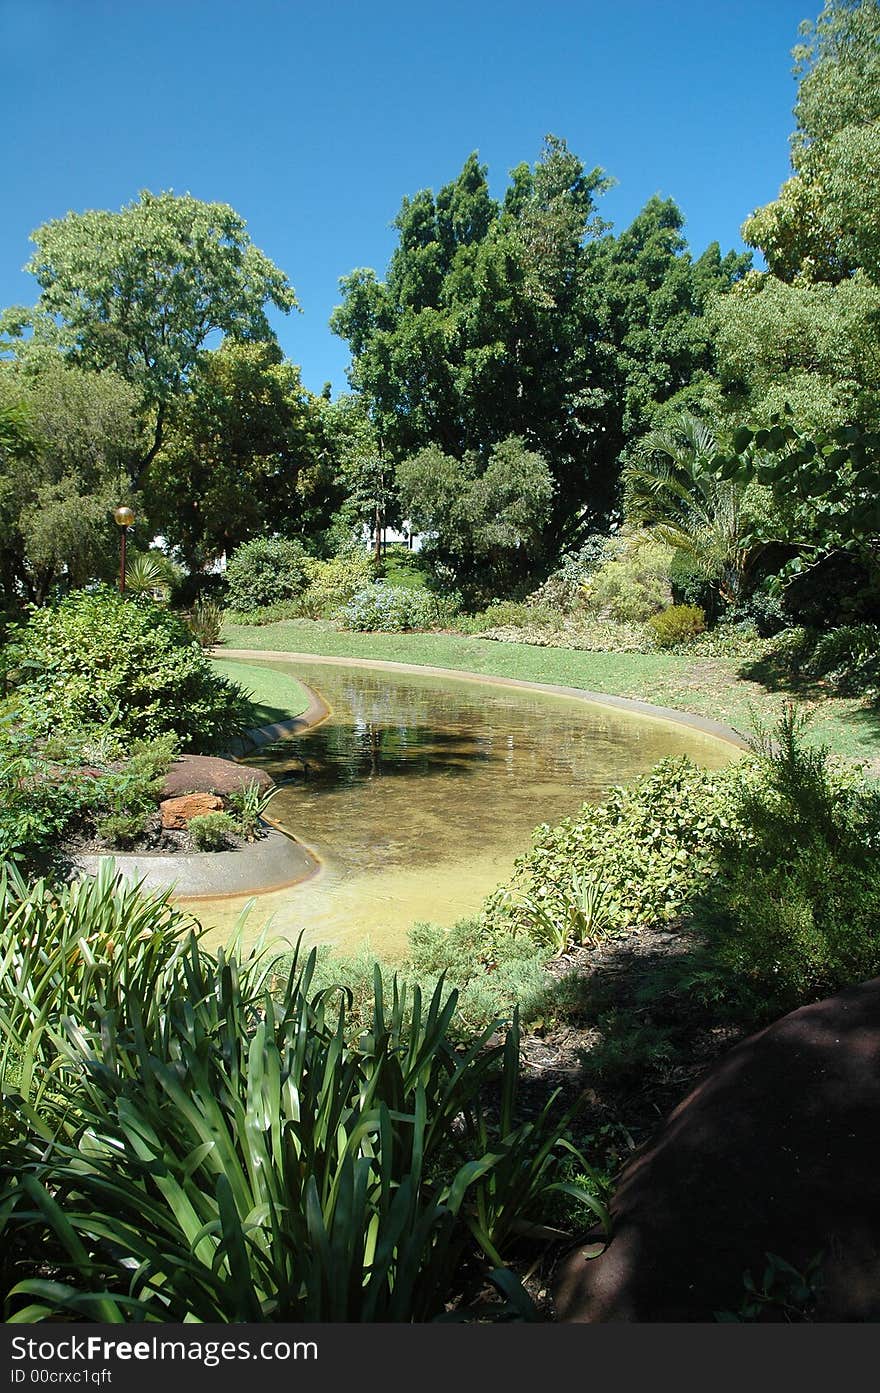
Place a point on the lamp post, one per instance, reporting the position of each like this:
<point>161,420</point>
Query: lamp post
<point>124,518</point>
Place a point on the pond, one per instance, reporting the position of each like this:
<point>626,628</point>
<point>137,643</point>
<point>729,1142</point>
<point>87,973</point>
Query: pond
<point>419,791</point>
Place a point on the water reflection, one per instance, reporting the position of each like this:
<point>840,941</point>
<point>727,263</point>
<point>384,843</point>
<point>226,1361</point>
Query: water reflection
<point>420,791</point>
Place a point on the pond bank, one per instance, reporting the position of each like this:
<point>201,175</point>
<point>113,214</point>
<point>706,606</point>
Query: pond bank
<point>725,689</point>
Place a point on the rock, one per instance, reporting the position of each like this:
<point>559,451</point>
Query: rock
<point>177,812</point>
<point>204,774</point>
<point>774,1152</point>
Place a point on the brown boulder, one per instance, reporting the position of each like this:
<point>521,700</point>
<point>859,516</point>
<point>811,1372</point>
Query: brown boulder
<point>177,812</point>
<point>774,1152</point>
<point>205,774</point>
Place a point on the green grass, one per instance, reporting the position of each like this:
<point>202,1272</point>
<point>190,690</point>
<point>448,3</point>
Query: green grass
<point>714,687</point>
<point>276,696</point>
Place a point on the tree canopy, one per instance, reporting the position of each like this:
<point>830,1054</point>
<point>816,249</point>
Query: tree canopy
<point>140,292</point>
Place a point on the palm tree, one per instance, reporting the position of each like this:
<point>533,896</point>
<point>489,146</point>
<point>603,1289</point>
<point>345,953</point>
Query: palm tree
<point>674,490</point>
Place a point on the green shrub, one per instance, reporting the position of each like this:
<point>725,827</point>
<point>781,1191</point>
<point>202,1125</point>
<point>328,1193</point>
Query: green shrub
<point>264,571</point>
<point>634,583</point>
<point>99,659</point>
<point>205,622</point>
<point>247,805</point>
<point>39,802</point>
<point>345,1177</point>
<point>518,614</point>
<point>650,848</point>
<point>266,614</point>
<point>122,829</point>
<point>579,631</point>
<point>334,582</point>
<point>796,912</point>
<point>400,566</point>
<point>564,590</point>
<point>393,608</point>
<point>677,624</point>
<point>848,658</point>
<point>211,831</point>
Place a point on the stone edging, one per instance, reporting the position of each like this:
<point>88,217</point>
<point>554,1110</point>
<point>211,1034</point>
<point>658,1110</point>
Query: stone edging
<point>274,863</point>
<point>716,729</point>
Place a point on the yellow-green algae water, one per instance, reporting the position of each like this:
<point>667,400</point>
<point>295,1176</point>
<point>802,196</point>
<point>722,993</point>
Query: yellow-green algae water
<point>418,793</point>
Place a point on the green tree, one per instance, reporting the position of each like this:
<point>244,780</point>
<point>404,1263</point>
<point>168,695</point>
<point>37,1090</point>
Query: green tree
<point>77,432</point>
<point>806,331</point>
<point>485,518</point>
<point>243,454</point>
<point>140,292</point>
<point>527,318</point>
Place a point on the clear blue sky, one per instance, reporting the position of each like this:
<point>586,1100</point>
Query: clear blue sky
<point>313,120</point>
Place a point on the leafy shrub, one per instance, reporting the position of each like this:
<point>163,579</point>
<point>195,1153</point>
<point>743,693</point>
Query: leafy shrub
<point>579,631</point>
<point>796,914</point>
<point>211,831</point>
<point>122,829</point>
<point>265,570</point>
<point>335,582</point>
<point>100,659</point>
<point>348,1177</point>
<point>81,951</point>
<point>38,803</point>
<point>267,614</point>
<point>848,658</point>
<point>205,622</point>
<point>564,590</point>
<point>247,805</point>
<point>677,624</point>
<point>761,609</point>
<point>583,918</point>
<point>651,847</point>
<point>690,585</point>
<point>392,609</point>
<point>634,583</point>
<point>517,614</point>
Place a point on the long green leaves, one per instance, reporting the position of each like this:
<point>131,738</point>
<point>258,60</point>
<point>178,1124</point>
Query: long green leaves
<point>225,1153</point>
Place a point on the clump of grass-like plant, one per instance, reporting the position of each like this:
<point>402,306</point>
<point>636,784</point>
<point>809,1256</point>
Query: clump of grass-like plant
<point>231,1151</point>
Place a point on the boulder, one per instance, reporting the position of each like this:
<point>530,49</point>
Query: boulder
<point>177,812</point>
<point>204,774</point>
<point>774,1152</point>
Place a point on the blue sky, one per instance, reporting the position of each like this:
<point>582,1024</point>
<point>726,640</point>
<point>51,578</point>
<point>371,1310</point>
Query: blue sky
<point>313,120</point>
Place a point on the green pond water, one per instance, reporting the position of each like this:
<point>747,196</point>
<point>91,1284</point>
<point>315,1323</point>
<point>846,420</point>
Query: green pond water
<point>419,792</point>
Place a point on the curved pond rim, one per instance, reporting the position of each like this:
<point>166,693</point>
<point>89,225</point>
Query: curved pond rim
<point>704,724</point>
<point>316,713</point>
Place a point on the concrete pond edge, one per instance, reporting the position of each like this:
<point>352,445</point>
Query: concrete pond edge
<point>275,862</point>
<point>278,860</point>
<point>703,724</point>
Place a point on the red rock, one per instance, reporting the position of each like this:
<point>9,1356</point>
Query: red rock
<point>177,812</point>
<point>205,774</point>
<point>774,1152</point>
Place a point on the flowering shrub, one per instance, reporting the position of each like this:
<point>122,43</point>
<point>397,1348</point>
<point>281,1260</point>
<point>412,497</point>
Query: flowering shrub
<point>393,609</point>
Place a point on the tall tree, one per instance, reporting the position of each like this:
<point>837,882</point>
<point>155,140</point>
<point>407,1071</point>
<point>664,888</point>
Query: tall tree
<point>524,318</point>
<point>78,432</point>
<point>243,455</point>
<point>140,291</point>
<point>806,330</point>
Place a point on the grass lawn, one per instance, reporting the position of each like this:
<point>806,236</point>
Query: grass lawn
<point>276,696</point>
<point>727,689</point>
